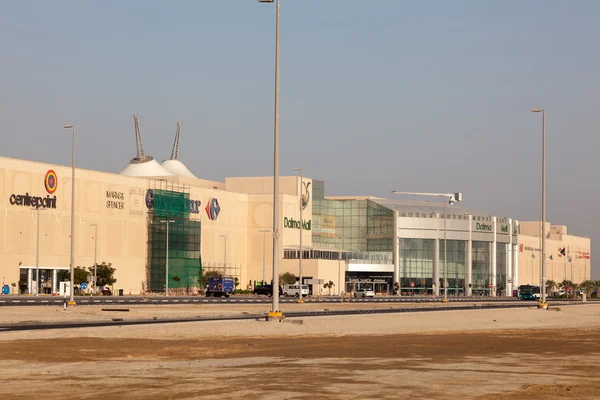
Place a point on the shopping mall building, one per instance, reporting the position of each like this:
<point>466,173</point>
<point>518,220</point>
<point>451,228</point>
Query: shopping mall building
<point>123,219</point>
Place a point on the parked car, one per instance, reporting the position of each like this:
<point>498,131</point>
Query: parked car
<point>364,293</point>
<point>266,290</point>
<point>293,290</point>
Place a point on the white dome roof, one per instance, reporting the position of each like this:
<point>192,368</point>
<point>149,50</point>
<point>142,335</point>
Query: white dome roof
<point>151,167</point>
<point>176,167</point>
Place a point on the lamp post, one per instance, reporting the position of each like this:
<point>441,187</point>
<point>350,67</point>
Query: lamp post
<point>95,254</point>
<point>452,197</point>
<point>37,252</point>
<point>300,293</point>
<point>225,256</point>
<point>543,303</point>
<point>275,313</point>
<point>72,283</point>
<point>167,257</point>
<point>264,232</point>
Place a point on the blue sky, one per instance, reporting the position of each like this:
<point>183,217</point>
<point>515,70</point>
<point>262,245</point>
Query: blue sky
<point>375,95</point>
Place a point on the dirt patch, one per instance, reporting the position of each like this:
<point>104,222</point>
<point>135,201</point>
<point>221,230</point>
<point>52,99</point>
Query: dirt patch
<point>495,365</point>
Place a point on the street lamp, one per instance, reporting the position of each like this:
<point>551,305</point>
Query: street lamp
<point>95,254</point>
<point>224,256</point>
<point>72,283</point>
<point>275,313</point>
<point>300,258</point>
<point>543,303</point>
<point>37,253</point>
<point>452,197</point>
<point>167,256</point>
<point>264,232</point>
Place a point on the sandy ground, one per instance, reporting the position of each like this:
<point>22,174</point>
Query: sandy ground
<point>471,354</point>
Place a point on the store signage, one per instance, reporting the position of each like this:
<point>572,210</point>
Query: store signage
<point>367,280</point>
<point>483,227</point>
<point>32,201</point>
<point>213,209</point>
<point>116,200</point>
<point>504,228</point>
<point>51,181</point>
<point>305,194</point>
<point>294,224</point>
<point>193,205</point>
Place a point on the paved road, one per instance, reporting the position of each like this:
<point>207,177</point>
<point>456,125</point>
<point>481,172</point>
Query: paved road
<point>131,300</point>
<point>27,326</point>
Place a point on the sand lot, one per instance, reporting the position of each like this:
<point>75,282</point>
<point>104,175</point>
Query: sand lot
<point>471,354</point>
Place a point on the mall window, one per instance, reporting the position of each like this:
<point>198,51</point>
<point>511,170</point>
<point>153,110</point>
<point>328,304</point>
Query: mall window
<point>457,266</point>
<point>416,265</point>
<point>501,266</point>
<point>482,268</point>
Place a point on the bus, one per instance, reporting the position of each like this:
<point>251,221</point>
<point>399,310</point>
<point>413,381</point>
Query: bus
<point>529,292</point>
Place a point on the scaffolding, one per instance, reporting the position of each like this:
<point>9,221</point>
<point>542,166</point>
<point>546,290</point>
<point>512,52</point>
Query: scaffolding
<point>169,208</point>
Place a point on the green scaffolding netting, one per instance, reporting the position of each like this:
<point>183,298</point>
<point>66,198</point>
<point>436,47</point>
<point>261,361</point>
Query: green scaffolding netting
<point>171,209</point>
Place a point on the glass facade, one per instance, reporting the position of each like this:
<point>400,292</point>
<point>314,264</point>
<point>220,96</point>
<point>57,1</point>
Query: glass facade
<point>416,265</point>
<point>457,266</point>
<point>339,224</point>
<point>501,266</point>
<point>364,231</point>
<point>482,267</point>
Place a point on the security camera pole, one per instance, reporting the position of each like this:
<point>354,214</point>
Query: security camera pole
<point>452,197</point>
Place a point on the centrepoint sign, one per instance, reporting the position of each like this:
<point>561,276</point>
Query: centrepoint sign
<point>26,200</point>
<point>32,201</point>
<point>295,224</point>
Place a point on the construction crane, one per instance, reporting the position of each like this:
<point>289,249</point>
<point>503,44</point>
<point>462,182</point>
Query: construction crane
<point>175,152</point>
<point>141,155</point>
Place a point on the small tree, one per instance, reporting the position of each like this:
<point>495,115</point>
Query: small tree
<point>105,274</point>
<point>550,285</point>
<point>14,285</point>
<point>329,285</point>
<point>203,280</point>
<point>287,279</point>
<point>236,282</point>
<point>587,286</point>
<point>80,275</point>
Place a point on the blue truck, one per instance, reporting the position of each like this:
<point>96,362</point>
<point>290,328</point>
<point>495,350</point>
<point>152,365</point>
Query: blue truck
<point>220,286</point>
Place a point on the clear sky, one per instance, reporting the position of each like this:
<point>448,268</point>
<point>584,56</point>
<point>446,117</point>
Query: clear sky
<point>376,95</point>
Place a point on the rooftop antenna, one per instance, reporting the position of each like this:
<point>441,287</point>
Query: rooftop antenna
<point>141,155</point>
<point>175,152</point>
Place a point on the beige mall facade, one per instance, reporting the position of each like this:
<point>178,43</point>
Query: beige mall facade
<point>226,226</point>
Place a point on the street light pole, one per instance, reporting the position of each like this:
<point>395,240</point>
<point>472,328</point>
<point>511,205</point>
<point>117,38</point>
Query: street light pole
<point>264,232</point>
<point>543,303</point>
<point>72,283</point>
<point>225,256</point>
<point>452,197</point>
<point>275,313</point>
<point>167,258</point>
<point>37,254</point>
<point>95,254</point>
<point>300,293</point>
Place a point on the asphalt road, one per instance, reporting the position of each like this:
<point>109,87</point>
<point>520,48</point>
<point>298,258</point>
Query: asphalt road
<point>124,321</point>
<point>130,300</point>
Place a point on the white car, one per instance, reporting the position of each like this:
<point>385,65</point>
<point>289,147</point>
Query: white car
<point>364,293</point>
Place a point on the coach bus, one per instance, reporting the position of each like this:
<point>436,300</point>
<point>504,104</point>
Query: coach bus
<point>529,292</point>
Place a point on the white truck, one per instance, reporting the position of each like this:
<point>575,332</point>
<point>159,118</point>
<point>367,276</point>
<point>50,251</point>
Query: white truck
<point>293,290</point>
